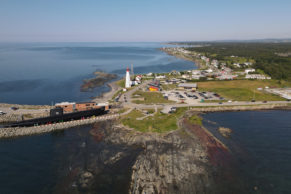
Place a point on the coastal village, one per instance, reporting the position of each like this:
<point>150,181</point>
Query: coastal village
<point>154,112</point>
<point>215,83</point>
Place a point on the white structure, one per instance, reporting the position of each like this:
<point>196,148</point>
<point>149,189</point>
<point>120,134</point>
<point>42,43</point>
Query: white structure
<point>127,79</point>
<point>160,77</point>
<point>65,103</point>
<point>209,70</point>
<point>249,70</point>
<point>256,76</point>
<point>196,72</point>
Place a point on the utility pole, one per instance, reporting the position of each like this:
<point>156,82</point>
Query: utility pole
<point>132,73</point>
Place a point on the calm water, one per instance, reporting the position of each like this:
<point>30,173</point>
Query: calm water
<point>42,73</point>
<point>261,143</point>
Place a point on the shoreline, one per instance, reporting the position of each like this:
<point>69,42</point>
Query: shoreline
<point>169,51</point>
<point>106,96</point>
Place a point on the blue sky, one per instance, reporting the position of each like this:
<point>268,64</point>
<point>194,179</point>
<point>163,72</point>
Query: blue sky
<point>143,20</point>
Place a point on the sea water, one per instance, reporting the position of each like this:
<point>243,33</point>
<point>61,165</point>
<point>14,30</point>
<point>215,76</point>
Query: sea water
<point>46,73</point>
<point>260,143</point>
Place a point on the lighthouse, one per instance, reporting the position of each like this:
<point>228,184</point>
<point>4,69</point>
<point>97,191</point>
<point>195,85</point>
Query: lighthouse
<point>127,79</point>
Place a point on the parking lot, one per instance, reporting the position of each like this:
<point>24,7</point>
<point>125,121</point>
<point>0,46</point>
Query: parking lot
<point>190,97</point>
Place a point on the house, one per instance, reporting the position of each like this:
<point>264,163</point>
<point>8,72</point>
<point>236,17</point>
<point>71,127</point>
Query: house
<point>160,77</point>
<point>226,77</point>
<point>174,72</point>
<point>249,70</point>
<point>196,72</point>
<point>188,86</point>
<point>236,65</point>
<point>209,70</point>
<point>214,62</point>
<point>197,76</point>
<point>248,63</point>
<point>185,76</point>
<point>154,86</point>
<point>138,78</point>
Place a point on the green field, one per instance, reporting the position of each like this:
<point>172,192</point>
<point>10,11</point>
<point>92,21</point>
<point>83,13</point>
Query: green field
<point>243,90</point>
<point>158,123</point>
<point>150,98</point>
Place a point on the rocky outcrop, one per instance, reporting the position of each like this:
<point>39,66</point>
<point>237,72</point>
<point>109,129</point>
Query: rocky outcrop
<point>171,163</point>
<point>100,79</point>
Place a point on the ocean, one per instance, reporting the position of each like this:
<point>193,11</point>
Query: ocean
<point>260,146</point>
<point>46,73</point>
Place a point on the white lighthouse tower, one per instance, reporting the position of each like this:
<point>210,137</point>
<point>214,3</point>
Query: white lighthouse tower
<point>127,79</point>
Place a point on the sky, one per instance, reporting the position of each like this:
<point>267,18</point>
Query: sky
<point>143,20</point>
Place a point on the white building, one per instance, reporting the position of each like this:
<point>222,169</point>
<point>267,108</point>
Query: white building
<point>236,65</point>
<point>209,70</point>
<point>249,70</point>
<point>196,72</point>
<point>256,76</point>
<point>160,77</point>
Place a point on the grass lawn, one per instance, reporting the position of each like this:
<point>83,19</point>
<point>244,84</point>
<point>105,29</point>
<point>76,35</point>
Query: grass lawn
<point>243,90</point>
<point>121,83</point>
<point>158,123</point>
<point>150,98</point>
<point>195,119</point>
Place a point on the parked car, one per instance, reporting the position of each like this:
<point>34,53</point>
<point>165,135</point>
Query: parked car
<point>14,108</point>
<point>2,113</point>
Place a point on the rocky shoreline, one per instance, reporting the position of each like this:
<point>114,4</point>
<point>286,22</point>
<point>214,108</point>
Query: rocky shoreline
<point>187,160</point>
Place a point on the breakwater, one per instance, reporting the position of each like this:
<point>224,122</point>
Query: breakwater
<point>23,131</point>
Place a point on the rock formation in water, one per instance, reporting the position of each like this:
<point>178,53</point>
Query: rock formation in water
<point>100,79</point>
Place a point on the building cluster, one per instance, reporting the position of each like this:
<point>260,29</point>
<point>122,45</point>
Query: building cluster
<point>242,65</point>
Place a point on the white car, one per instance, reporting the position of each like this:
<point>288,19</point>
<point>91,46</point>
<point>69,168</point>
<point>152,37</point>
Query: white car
<point>2,113</point>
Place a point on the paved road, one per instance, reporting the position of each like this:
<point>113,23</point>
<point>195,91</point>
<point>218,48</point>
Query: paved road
<point>125,98</point>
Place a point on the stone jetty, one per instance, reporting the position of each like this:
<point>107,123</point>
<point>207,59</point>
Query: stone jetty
<point>23,131</point>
